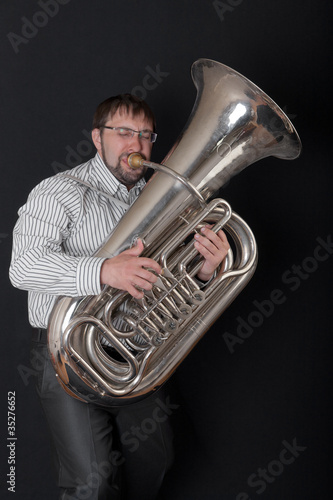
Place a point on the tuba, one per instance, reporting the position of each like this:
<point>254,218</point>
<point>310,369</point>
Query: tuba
<point>232,125</point>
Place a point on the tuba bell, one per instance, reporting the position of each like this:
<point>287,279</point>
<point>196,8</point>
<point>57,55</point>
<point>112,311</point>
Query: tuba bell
<point>232,125</point>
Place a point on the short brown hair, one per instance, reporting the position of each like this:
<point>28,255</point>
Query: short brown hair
<point>128,102</point>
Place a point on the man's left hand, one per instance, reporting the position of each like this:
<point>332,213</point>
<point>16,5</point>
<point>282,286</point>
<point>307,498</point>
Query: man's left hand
<point>213,247</point>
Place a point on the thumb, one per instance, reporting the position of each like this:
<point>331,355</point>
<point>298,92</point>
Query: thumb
<point>137,249</point>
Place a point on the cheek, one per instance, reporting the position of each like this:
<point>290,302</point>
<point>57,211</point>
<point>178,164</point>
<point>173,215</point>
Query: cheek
<point>112,153</point>
<point>147,151</point>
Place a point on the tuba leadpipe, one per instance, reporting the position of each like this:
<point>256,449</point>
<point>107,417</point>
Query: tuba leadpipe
<point>232,125</point>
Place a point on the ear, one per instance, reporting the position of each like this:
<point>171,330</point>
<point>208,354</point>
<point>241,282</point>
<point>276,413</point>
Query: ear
<point>96,137</point>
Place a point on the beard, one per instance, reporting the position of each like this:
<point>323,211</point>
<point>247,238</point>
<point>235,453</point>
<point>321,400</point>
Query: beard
<point>126,177</point>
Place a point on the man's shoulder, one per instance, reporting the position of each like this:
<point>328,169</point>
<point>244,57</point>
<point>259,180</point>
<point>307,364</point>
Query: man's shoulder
<point>65,181</point>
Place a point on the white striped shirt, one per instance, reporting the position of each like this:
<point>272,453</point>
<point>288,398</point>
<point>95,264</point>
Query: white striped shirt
<point>60,227</point>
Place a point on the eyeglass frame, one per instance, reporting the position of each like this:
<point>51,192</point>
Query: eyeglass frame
<point>153,135</point>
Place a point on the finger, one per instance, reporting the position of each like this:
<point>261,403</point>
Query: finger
<point>210,241</point>
<point>212,236</point>
<point>135,250</point>
<point>219,239</point>
<point>223,237</point>
<point>203,250</point>
<point>213,253</point>
<point>135,292</point>
<point>150,264</point>
<point>142,283</point>
<point>146,275</point>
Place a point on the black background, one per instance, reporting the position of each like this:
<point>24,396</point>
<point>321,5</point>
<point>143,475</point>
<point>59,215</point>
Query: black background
<point>236,410</point>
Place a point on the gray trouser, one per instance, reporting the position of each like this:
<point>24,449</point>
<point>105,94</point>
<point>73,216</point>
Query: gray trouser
<point>104,453</point>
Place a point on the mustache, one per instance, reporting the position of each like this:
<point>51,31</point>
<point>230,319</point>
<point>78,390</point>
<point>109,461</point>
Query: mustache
<point>126,155</point>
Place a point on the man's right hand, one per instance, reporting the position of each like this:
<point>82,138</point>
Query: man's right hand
<point>127,271</point>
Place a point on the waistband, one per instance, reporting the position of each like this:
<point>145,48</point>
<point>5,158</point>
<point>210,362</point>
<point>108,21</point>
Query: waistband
<point>39,335</point>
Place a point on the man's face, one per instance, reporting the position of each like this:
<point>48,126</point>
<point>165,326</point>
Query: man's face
<point>114,149</point>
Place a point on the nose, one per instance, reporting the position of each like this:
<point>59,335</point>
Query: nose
<point>135,144</point>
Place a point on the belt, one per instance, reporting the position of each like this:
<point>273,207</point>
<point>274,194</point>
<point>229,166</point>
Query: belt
<point>39,335</point>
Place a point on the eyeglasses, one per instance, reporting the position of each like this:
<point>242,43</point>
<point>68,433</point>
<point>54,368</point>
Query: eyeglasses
<point>128,133</point>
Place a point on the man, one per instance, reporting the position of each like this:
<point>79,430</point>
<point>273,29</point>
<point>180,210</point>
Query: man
<point>100,453</point>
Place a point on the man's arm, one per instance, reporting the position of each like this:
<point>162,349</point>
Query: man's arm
<point>39,262</point>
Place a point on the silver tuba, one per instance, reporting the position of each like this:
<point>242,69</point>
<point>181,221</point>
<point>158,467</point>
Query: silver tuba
<point>233,124</point>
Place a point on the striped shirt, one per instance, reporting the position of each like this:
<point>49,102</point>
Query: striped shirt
<point>60,227</point>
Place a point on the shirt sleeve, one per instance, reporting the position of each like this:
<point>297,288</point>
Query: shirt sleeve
<point>39,261</point>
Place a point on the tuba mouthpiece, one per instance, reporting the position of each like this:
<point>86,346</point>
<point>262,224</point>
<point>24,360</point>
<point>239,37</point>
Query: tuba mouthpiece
<point>135,160</point>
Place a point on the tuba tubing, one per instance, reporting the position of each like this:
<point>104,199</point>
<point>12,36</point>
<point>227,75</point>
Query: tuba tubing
<point>232,125</point>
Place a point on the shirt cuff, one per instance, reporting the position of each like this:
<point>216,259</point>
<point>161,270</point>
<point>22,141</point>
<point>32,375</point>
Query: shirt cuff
<point>202,284</point>
<point>88,277</point>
